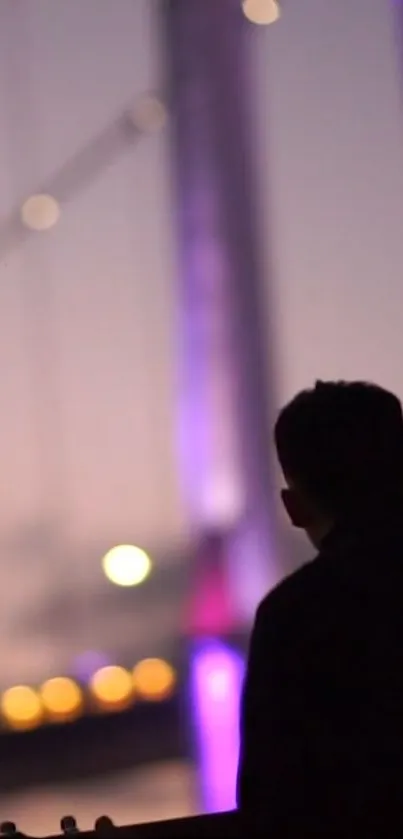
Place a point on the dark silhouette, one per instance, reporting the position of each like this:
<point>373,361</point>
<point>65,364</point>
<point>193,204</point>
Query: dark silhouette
<point>322,715</point>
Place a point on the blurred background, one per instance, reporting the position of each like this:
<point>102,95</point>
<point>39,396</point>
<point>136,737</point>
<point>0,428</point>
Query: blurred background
<point>199,215</point>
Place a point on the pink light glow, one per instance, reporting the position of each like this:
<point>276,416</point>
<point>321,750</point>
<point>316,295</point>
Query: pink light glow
<point>210,611</point>
<point>216,684</point>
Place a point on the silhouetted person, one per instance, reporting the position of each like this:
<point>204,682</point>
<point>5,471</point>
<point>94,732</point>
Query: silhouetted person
<point>322,716</point>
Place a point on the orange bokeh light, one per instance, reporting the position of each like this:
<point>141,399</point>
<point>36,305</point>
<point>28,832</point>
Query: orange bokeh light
<point>62,699</point>
<point>112,688</point>
<point>21,707</point>
<point>154,679</point>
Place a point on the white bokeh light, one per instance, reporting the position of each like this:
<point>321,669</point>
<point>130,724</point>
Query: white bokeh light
<point>261,12</point>
<point>40,212</point>
<point>126,565</point>
<point>149,114</point>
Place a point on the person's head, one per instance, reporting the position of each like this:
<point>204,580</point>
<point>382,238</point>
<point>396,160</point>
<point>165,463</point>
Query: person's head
<point>340,446</point>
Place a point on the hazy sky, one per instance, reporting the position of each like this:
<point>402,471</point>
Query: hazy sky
<point>330,96</point>
<point>91,302</point>
<point>88,311</point>
<point>87,442</point>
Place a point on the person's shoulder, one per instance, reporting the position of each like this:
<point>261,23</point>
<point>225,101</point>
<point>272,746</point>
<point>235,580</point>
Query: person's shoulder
<point>298,589</point>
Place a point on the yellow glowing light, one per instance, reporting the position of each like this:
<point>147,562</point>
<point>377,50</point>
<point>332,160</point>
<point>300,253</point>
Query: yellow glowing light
<point>40,212</point>
<point>154,679</point>
<point>21,707</point>
<point>126,565</point>
<point>112,688</point>
<point>61,698</point>
<point>262,12</point>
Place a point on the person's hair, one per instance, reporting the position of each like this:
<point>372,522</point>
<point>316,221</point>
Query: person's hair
<point>342,443</point>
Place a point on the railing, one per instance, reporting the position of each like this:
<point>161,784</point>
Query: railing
<point>216,826</point>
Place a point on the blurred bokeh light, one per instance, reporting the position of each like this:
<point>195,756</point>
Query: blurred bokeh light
<point>154,679</point>
<point>112,688</point>
<point>126,565</point>
<point>217,674</point>
<point>40,212</point>
<point>149,114</point>
<point>261,12</point>
<point>21,708</point>
<point>62,699</point>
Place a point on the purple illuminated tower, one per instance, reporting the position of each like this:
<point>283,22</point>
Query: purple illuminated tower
<point>224,416</point>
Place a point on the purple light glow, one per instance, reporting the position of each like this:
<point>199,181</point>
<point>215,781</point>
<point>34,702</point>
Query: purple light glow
<point>216,685</point>
<point>87,664</point>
